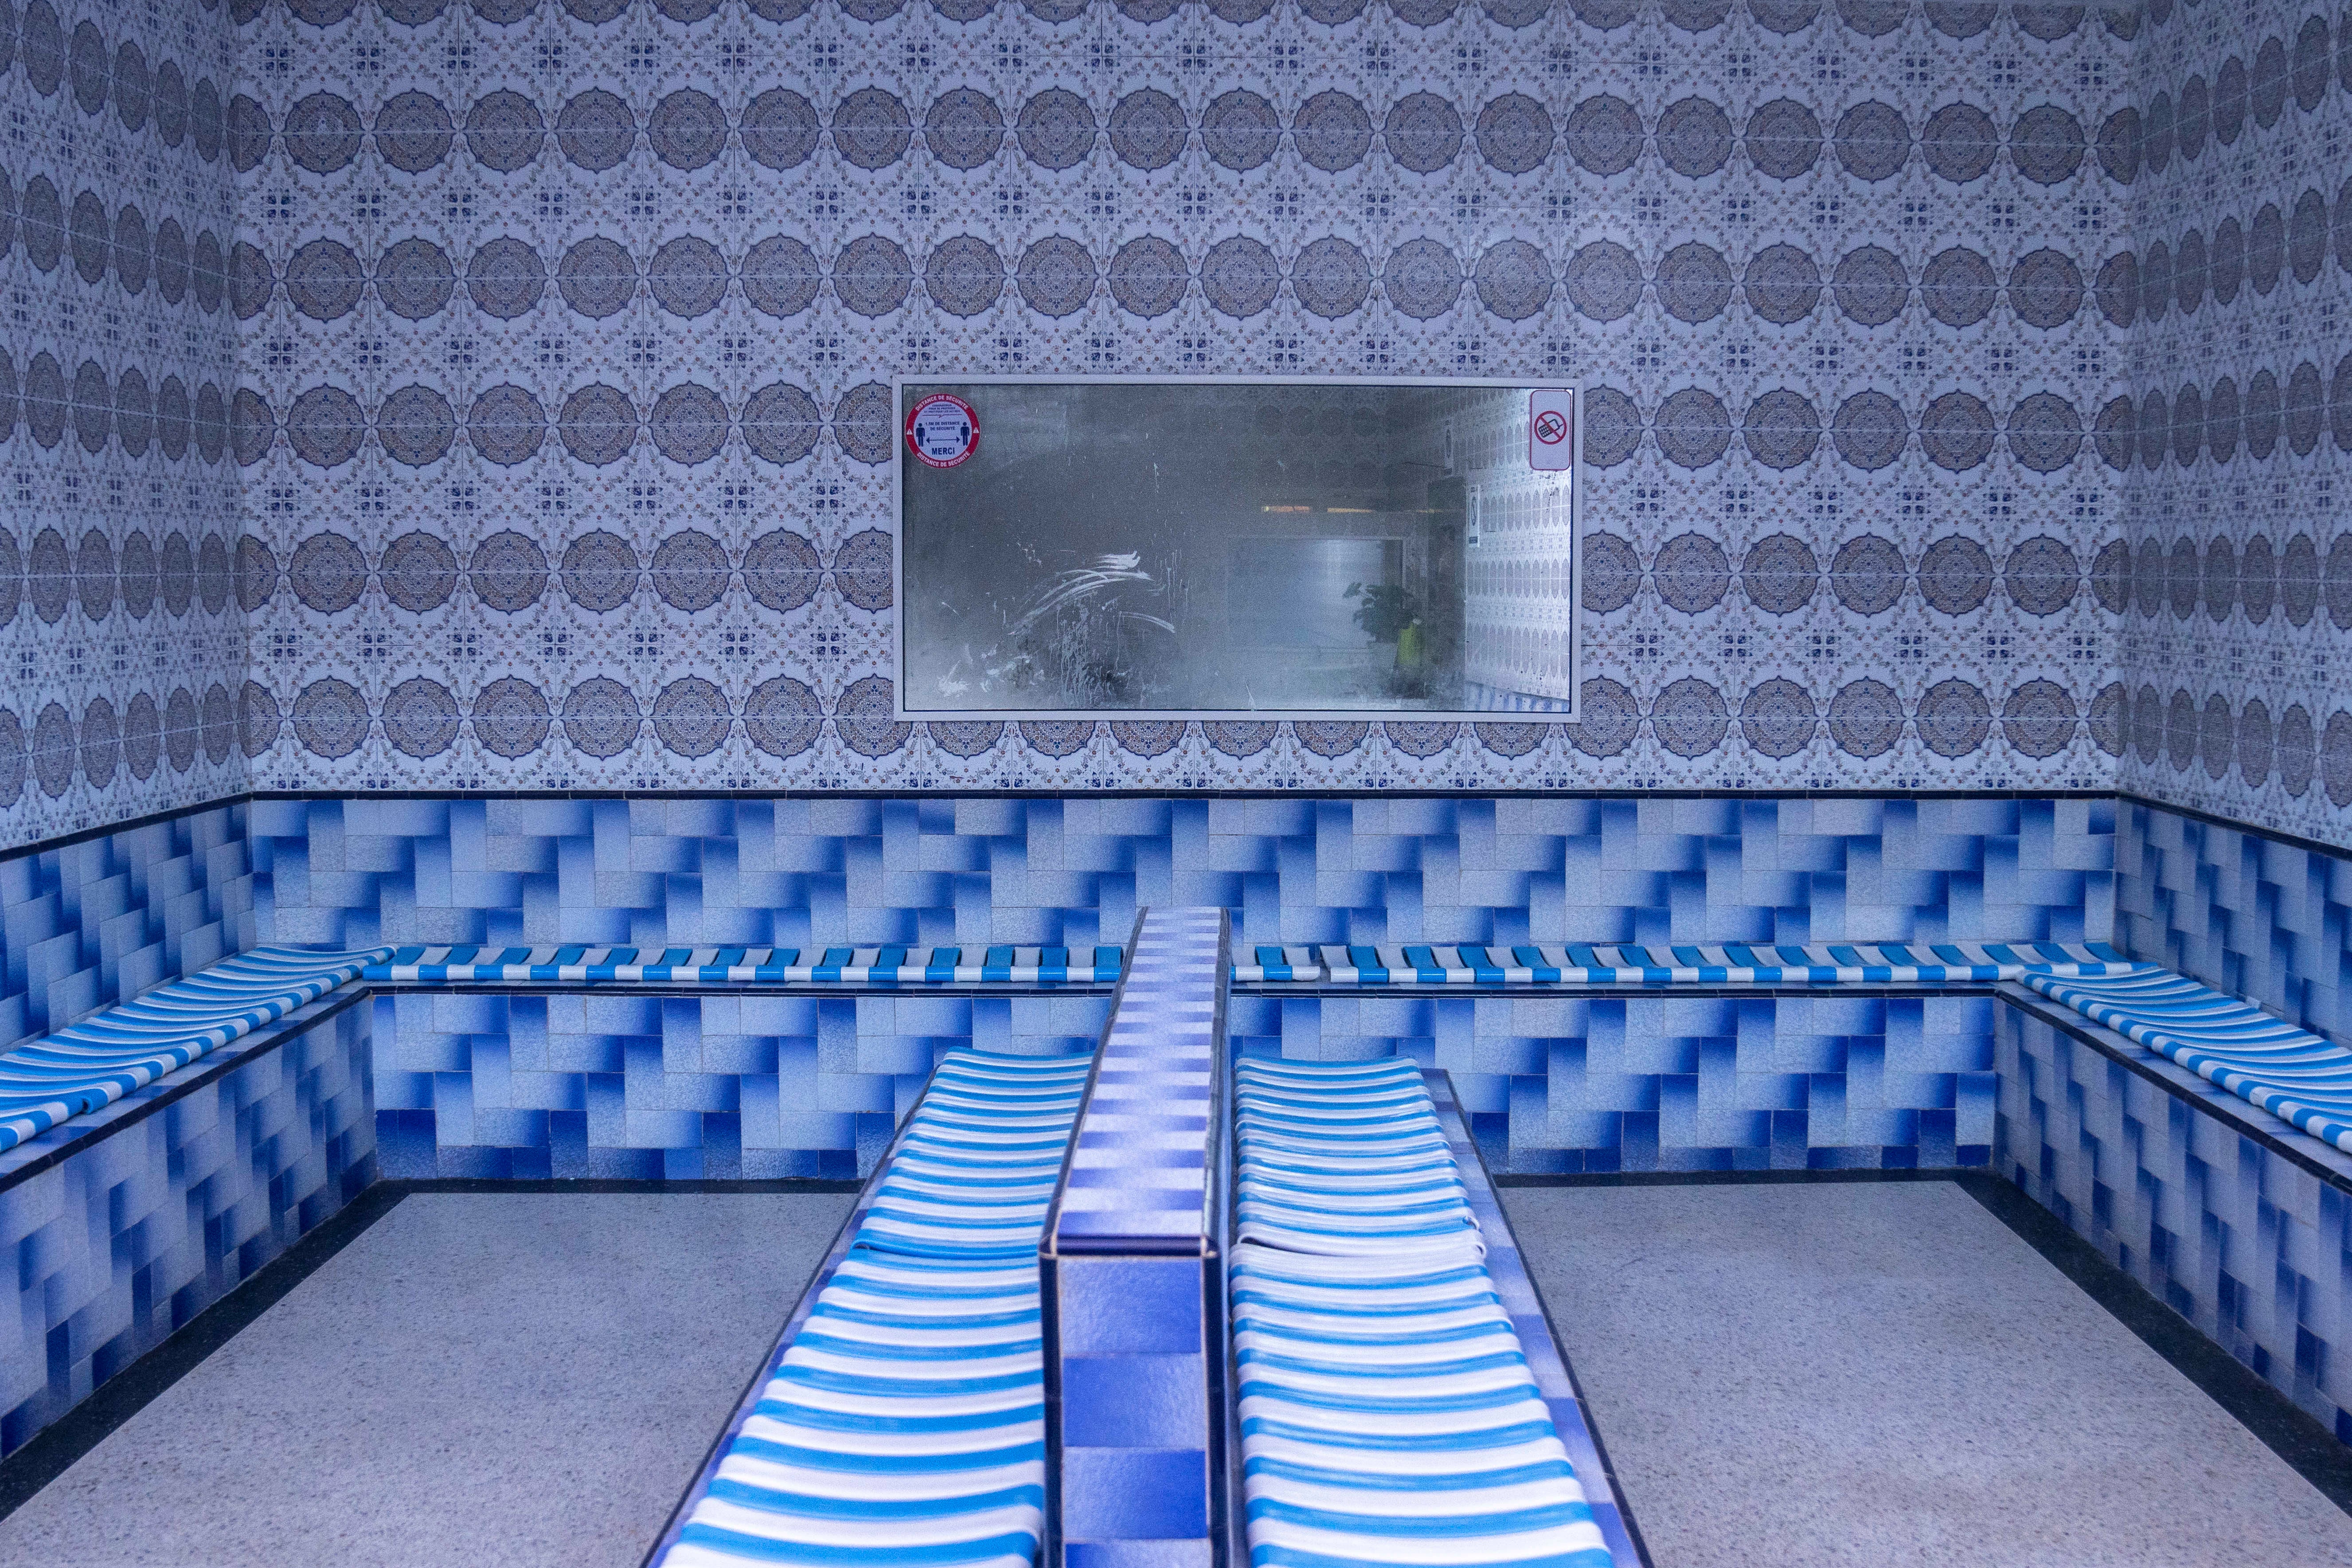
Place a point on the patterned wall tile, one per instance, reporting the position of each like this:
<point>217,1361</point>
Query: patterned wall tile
<point>124,1241</point>
<point>122,584</point>
<point>685,1088</point>
<point>699,872</point>
<point>96,922</point>
<point>1676,1083</point>
<point>2262,919</point>
<point>566,337</point>
<point>2230,442</point>
<point>2240,1240</point>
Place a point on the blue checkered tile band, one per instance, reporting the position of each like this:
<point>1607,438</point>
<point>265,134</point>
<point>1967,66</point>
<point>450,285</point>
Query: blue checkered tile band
<point>1619,963</point>
<point>2296,1075</point>
<point>904,1421</point>
<point>126,1222</point>
<point>773,966</point>
<point>1389,1413</point>
<point>131,1044</point>
<point>2216,1209</point>
<point>1139,1167</point>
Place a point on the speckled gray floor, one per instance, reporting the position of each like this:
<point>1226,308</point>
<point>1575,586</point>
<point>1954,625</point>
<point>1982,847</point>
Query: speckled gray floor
<point>482,1379</point>
<point>1884,1374</point>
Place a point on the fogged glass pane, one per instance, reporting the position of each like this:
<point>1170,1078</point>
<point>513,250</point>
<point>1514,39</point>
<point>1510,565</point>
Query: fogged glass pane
<point>1220,547</point>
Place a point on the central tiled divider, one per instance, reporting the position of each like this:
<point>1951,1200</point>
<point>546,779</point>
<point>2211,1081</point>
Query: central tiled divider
<point>1131,1270</point>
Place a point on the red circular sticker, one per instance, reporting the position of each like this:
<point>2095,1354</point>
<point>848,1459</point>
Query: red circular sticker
<point>1550,428</point>
<point>942,431</point>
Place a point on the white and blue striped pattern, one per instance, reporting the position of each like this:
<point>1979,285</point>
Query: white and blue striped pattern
<point>1621,964</point>
<point>1388,1413</point>
<point>129,1045</point>
<point>887,966</point>
<point>904,1424</point>
<point>2302,1078</point>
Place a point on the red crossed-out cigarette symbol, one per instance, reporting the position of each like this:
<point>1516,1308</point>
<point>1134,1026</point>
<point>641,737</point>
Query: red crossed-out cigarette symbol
<point>1551,430</point>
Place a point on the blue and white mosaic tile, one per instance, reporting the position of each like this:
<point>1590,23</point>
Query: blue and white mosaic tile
<point>713,1087</point>
<point>2242,1241</point>
<point>1676,1083</point>
<point>127,1240</point>
<point>698,873</point>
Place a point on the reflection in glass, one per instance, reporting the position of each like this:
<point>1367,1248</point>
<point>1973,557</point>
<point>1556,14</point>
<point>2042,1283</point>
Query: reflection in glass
<point>1221,546</point>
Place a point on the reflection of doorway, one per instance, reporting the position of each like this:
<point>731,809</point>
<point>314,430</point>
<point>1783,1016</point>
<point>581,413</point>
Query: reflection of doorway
<point>1287,602</point>
<point>1449,501</point>
<point>1292,592</point>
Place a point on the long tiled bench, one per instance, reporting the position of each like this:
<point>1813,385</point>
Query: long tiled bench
<point>1389,1413</point>
<point>755,965</point>
<point>119,1049</point>
<point>1621,964</point>
<point>903,1419</point>
<point>2302,1078</point>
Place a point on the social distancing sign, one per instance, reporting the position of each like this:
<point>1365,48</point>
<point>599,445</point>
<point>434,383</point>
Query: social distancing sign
<point>942,431</point>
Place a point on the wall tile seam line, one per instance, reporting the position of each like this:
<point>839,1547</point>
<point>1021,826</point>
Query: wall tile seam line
<point>217,1066</point>
<point>2236,1115</point>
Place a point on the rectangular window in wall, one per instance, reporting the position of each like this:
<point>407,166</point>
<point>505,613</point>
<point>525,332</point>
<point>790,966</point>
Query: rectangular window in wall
<point>1123,548</point>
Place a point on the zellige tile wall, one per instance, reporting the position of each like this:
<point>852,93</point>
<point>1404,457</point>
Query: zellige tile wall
<point>122,579</point>
<point>567,331</point>
<point>2230,440</point>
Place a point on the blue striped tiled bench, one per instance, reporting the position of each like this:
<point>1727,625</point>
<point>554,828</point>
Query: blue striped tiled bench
<point>1623,963</point>
<point>2302,1078</point>
<point>1389,1411</point>
<point>756,965</point>
<point>903,1420</point>
<point>123,1049</point>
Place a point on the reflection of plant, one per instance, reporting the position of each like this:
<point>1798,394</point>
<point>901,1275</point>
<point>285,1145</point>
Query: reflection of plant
<point>1387,609</point>
<point>1071,641</point>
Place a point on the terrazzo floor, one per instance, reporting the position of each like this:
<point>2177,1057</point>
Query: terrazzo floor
<point>479,1378</point>
<point>1885,1374</point>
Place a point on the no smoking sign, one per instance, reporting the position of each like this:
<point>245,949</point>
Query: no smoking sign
<point>1551,430</point>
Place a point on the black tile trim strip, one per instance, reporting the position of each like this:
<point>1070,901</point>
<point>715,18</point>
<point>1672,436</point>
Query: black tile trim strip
<point>58,1446</point>
<point>608,988</point>
<point>936,796</point>
<point>2293,1434</point>
<point>1906,992</point>
<point>562,1185</point>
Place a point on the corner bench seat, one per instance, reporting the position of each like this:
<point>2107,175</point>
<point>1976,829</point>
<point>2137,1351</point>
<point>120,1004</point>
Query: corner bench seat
<point>2302,1078</point>
<point>119,1049</point>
